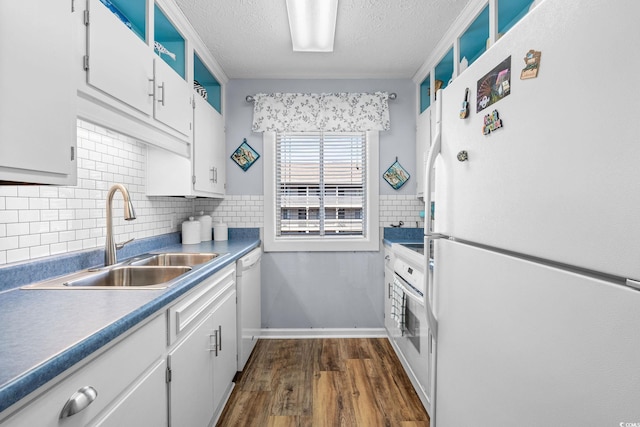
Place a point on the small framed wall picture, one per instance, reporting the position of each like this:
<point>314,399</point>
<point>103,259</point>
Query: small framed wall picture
<point>245,156</point>
<point>396,175</point>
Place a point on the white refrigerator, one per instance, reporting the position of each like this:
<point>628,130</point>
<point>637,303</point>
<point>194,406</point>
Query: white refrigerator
<point>534,302</point>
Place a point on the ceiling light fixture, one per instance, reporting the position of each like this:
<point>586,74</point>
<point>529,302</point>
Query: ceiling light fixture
<point>312,24</point>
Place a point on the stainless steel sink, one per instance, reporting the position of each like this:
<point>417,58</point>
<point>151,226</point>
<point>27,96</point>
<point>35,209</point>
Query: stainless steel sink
<point>175,258</point>
<point>151,271</point>
<point>130,276</point>
<point>116,277</point>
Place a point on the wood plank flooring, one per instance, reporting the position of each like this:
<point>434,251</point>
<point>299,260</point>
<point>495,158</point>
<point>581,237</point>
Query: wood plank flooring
<point>324,382</point>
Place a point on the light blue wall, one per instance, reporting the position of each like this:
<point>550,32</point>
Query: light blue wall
<point>321,289</point>
<point>399,141</point>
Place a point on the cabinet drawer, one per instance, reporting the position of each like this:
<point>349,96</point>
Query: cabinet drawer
<point>185,314</point>
<point>389,258</point>
<point>110,373</point>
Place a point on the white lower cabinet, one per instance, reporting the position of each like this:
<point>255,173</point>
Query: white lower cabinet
<point>203,361</point>
<point>389,323</point>
<point>144,405</point>
<point>191,364</point>
<point>226,359</point>
<point>127,378</point>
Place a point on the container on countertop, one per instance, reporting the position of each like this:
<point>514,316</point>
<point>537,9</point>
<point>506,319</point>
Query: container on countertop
<point>190,232</point>
<point>205,226</point>
<point>220,231</point>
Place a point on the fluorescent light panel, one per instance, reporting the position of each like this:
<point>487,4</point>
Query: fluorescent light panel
<point>312,24</point>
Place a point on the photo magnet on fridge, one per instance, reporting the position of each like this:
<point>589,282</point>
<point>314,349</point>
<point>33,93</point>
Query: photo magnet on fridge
<point>494,85</point>
<point>532,59</point>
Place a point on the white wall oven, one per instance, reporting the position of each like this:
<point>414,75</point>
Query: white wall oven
<point>410,316</point>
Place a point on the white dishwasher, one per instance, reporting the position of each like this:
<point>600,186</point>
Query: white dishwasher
<point>248,311</point>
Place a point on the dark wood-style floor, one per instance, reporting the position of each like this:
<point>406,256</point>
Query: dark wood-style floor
<point>324,382</point>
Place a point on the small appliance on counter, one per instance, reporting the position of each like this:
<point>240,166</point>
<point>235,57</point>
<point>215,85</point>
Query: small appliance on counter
<point>220,231</point>
<point>190,232</point>
<point>205,226</point>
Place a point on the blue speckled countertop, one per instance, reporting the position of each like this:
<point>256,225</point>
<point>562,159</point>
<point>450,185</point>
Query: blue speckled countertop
<point>402,235</point>
<point>45,332</point>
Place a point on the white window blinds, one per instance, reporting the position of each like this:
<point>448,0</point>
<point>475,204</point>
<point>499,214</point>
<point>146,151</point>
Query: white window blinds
<point>321,184</point>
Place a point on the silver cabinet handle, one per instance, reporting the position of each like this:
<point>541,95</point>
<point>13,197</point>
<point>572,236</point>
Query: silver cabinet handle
<point>153,85</point>
<point>215,342</point>
<point>211,169</point>
<point>79,401</point>
<point>389,286</point>
<point>161,100</point>
<point>220,337</point>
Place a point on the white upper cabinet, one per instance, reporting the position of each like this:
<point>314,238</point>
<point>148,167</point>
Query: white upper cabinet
<point>135,72</point>
<point>172,99</point>
<point>118,63</point>
<point>201,175</point>
<point>209,149</point>
<point>37,92</point>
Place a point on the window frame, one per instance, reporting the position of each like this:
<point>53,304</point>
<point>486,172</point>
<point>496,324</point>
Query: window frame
<point>369,242</point>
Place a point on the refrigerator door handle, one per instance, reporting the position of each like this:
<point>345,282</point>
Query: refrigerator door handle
<point>633,284</point>
<point>434,151</point>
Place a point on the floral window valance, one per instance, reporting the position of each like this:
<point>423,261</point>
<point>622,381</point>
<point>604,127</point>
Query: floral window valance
<point>328,112</point>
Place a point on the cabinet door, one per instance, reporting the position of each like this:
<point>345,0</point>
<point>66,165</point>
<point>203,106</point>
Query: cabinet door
<point>225,363</point>
<point>219,153</point>
<point>37,93</point>
<point>172,98</point>
<point>208,149</point>
<point>144,405</point>
<point>423,141</point>
<point>120,64</point>
<point>203,145</point>
<point>191,386</point>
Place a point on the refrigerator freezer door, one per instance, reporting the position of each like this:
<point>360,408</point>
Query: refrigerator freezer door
<point>561,179</point>
<point>524,344</point>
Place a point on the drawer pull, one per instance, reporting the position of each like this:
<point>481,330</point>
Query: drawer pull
<point>79,401</point>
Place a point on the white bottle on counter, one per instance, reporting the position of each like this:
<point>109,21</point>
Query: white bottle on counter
<point>190,232</point>
<point>205,226</point>
<point>220,231</point>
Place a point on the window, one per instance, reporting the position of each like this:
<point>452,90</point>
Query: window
<point>319,189</point>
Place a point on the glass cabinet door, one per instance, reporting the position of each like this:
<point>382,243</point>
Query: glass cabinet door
<point>444,71</point>
<point>473,42</point>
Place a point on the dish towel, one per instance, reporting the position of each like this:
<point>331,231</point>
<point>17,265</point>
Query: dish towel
<point>398,306</point>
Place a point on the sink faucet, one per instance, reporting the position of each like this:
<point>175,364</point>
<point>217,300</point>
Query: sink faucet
<point>129,214</point>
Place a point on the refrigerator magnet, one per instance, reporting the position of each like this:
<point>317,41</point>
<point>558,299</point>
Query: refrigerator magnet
<point>532,61</point>
<point>492,122</point>
<point>464,112</point>
<point>396,175</point>
<point>494,85</point>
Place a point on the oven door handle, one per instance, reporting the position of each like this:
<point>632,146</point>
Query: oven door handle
<point>398,280</point>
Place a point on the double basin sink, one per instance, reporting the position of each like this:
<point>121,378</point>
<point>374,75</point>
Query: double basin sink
<point>151,271</point>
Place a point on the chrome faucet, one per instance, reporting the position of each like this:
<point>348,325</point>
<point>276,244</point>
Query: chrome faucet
<point>129,214</point>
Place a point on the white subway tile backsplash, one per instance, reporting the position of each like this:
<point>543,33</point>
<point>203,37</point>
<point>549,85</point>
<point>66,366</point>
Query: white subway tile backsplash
<point>49,220</point>
<point>17,255</point>
<point>7,243</point>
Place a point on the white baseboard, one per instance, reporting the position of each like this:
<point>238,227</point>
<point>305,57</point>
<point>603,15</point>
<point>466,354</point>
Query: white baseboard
<point>271,333</point>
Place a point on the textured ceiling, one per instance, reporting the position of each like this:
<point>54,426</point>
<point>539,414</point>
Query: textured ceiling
<point>374,38</point>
